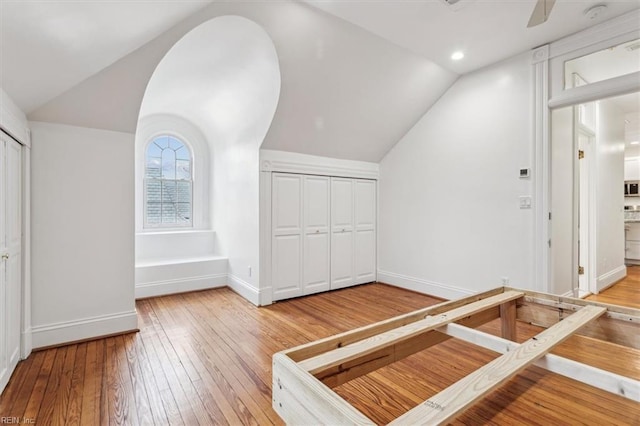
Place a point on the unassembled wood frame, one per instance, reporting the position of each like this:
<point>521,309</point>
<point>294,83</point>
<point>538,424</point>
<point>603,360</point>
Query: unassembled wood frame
<point>303,376</point>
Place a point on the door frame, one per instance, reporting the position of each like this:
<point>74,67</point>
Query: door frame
<point>591,212</point>
<point>549,94</point>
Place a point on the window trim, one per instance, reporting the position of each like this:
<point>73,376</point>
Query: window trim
<point>150,126</point>
<point>145,222</point>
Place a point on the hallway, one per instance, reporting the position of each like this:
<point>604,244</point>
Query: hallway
<point>624,293</point>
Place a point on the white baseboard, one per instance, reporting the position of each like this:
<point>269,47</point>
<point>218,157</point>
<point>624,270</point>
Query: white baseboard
<point>86,328</point>
<point>611,277</point>
<point>182,285</point>
<point>26,343</point>
<point>423,286</point>
<point>244,289</point>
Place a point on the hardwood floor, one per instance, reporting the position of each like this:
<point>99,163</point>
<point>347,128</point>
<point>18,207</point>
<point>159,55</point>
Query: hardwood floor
<point>624,293</point>
<point>205,358</point>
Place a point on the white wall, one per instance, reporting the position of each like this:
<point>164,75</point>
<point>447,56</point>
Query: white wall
<point>224,78</point>
<point>82,233</point>
<point>450,222</point>
<point>610,197</point>
<point>346,93</point>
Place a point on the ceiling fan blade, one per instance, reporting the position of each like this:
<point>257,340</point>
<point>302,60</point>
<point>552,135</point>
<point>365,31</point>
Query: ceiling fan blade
<point>541,12</point>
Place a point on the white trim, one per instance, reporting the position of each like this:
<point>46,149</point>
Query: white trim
<point>541,169</point>
<point>13,121</point>
<point>244,289</point>
<point>601,379</point>
<point>290,162</point>
<point>86,328</point>
<point>621,85</point>
<point>26,341</point>
<point>611,277</point>
<point>610,29</point>
<point>182,285</point>
<point>420,285</point>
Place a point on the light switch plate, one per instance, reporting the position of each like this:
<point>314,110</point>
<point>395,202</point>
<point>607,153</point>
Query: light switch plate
<point>525,202</point>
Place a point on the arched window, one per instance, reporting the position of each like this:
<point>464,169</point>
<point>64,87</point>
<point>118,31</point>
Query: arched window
<point>168,183</point>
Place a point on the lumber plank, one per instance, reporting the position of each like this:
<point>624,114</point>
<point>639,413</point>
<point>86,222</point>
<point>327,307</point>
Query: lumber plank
<point>371,344</point>
<point>345,372</point>
<point>508,320</point>
<point>300,398</point>
<point>621,328</point>
<point>449,403</point>
<point>326,344</point>
<point>611,382</point>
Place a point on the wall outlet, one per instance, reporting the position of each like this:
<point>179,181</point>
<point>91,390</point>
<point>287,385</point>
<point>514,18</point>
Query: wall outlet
<point>505,280</point>
<point>249,271</point>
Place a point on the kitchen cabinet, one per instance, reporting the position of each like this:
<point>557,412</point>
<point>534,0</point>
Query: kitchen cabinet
<point>323,233</point>
<point>632,168</point>
<point>632,242</point>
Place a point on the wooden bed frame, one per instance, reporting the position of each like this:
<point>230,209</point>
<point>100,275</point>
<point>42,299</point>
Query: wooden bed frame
<point>303,376</point>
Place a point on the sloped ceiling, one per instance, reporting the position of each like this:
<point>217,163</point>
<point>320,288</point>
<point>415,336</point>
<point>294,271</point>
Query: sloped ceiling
<point>345,93</point>
<point>49,46</point>
<point>487,31</point>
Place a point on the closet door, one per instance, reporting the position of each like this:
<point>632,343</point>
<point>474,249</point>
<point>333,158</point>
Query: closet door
<point>342,247</point>
<point>11,256</point>
<point>316,234</point>
<point>365,230</point>
<point>287,236</point>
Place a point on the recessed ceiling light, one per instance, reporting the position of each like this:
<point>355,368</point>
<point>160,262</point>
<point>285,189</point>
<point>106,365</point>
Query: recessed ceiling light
<point>456,56</point>
<point>634,143</point>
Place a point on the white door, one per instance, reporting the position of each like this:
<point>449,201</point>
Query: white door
<point>287,227</point>
<point>316,234</point>
<point>365,230</point>
<point>11,255</point>
<point>342,244</point>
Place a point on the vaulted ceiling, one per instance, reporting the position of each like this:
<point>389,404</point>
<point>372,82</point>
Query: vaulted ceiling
<point>356,75</point>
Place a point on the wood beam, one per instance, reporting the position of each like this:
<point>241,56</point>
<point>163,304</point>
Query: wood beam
<point>372,344</point>
<point>320,346</point>
<point>596,377</point>
<point>447,404</point>
<point>299,398</point>
<point>337,375</point>
<point>508,320</point>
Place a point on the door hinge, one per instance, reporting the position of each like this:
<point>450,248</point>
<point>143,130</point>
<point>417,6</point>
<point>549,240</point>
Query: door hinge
<point>549,242</point>
<point>580,270</point>
<point>549,215</point>
<point>580,154</point>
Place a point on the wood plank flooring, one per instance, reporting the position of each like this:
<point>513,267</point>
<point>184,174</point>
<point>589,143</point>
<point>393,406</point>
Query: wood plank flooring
<point>205,358</point>
<point>625,292</point>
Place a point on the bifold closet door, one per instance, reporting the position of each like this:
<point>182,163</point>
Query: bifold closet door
<point>11,256</point>
<point>287,235</point>
<point>316,234</point>
<point>342,242</point>
<point>365,231</point>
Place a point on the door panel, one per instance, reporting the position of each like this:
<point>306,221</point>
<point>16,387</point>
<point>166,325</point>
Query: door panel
<point>341,204</point>
<point>5,372</point>
<point>365,256</point>
<point>316,263</point>
<point>11,251</point>
<point>341,259</point>
<point>365,204</point>
<point>286,266</point>
<point>286,243</point>
<point>365,234</point>
<point>287,197</point>
<point>14,246</point>
<point>316,233</point>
